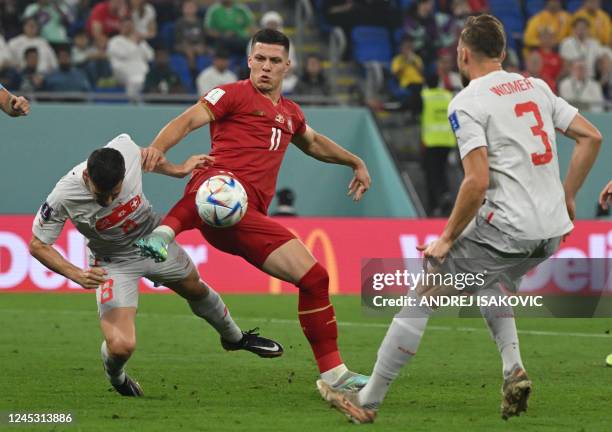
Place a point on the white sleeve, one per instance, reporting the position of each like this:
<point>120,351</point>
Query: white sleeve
<point>562,112</point>
<point>50,219</point>
<point>127,147</point>
<point>467,125</point>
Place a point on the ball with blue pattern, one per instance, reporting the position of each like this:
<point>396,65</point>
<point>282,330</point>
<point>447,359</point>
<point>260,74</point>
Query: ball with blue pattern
<point>221,201</point>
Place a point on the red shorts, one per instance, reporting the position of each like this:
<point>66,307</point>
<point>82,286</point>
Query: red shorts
<point>254,238</point>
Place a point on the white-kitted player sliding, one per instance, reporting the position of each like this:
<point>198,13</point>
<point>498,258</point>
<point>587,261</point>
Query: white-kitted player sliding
<point>505,127</point>
<point>104,200</point>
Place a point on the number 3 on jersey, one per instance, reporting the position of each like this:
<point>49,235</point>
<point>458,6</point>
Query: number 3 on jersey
<point>537,130</point>
<point>275,139</point>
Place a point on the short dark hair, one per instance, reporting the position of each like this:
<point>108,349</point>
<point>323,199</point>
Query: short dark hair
<point>579,20</point>
<point>485,34</point>
<point>272,37</point>
<point>106,168</point>
<point>29,51</point>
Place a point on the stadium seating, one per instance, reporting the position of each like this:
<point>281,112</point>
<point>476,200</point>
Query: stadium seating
<point>510,14</point>
<point>178,63</point>
<point>166,35</point>
<point>534,6</point>
<point>371,43</point>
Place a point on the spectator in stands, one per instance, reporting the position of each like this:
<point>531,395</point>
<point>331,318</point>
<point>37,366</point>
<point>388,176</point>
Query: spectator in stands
<point>580,90</point>
<point>52,19</point>
<point>408,69</point>
<point>603,75</point>
<point>313,81</point>
<point>229,25</point>
<point>552,63</point>
<point>421,26</point>
<point>98,67</point>
<point>533,65</point>
<point>438,139</point>
<point>5,53</point>
<point>449,26</point>
<point>407,66</point>
<point>552,18</point>
<point>66,78</point>
<point>144,17</point>
<point>189,34</point>
<point>581,46</point>
<point>449,79</point>
<point>129,57</point>
<point>46,59</point>
<point>10,18</point>
<point>9,77</point>
<point>273,20</point>
<point>598,19</point>
<point>161,78</point>
<point>216,74</point>
<point>81,49</point>
<point>105,18</point>
<point>31,77</point>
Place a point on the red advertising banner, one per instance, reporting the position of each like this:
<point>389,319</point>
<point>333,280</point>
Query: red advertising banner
<point>339,244</point>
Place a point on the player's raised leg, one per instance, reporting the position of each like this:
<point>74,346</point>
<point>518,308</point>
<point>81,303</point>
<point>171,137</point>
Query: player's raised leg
<point>206,303</point>
<point>293,263</point>
<point>119,332</point>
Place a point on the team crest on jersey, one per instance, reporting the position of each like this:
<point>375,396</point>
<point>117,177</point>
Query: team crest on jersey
<point>214,95</point>
<point>454,121</point>
<point>45,212</point>
<point>280,119</point>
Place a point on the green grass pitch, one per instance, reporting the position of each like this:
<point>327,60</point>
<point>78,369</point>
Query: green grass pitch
<point>49,362</point>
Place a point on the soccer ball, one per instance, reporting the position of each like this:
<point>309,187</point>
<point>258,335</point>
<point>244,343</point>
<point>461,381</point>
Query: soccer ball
<point>221,201</point>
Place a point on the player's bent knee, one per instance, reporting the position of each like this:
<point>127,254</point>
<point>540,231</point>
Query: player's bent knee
<point>315,282</point>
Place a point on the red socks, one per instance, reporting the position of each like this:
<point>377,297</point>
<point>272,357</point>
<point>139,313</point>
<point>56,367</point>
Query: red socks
<point>317,318</point>
<point>184,215</point>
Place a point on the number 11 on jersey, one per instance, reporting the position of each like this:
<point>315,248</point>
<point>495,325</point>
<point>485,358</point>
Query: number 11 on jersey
<point>275,139</point>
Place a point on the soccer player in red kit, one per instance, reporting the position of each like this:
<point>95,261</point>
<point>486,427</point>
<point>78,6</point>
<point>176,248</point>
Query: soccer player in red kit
<point>251,126</point>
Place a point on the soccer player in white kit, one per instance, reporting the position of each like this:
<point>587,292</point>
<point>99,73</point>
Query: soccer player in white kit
<point>505,129</point>
<point>103,198</point>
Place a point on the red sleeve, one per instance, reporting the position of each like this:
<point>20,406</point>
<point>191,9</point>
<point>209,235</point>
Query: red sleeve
<point>300,125</point>
<point>221,100</point>
<point>95,15</point>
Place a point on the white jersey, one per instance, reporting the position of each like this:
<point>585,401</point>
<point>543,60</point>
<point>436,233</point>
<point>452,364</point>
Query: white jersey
<point>515,118</point>
<point>111,231</point>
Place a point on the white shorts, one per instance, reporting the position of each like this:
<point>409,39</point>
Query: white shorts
<point>121,287</point>
<point>484,248</point>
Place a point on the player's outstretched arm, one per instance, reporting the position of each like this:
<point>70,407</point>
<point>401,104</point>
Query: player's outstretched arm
<point>469,199</point>
<point>193,118</point>
<point>51,258</point>
<point>605,196</point>
<point>164,166</point>
<point>14,106</point>
<point>588,141</point>
<point>324,149</point>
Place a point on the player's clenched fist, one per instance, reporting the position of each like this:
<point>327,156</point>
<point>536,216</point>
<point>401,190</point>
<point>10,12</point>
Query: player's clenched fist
<point>150,158</point>
<point>20,106</point>
<point>605,196</point>
<point>91,278</point>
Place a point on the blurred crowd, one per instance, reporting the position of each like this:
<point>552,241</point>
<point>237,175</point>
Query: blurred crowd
<point>136,46</point>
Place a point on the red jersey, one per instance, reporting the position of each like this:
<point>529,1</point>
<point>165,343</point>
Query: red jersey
<point>250,135</point>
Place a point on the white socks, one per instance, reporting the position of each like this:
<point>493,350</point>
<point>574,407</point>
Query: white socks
<point>500,320</point>
<point>113,366</point>
<point>399,346</point>
<point>165,232</point>
<point>334,375</point>
<point>214,311</point>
